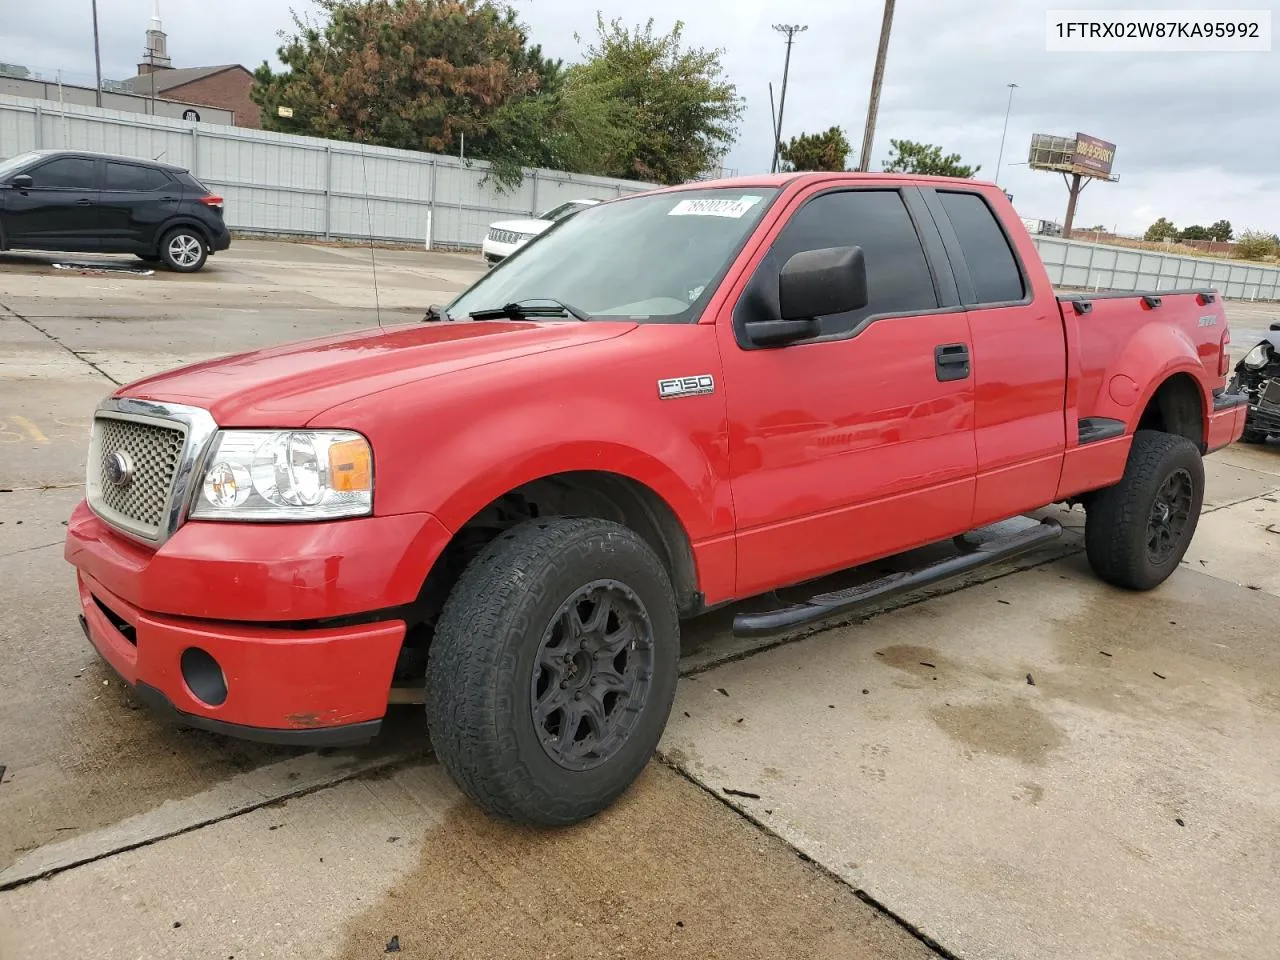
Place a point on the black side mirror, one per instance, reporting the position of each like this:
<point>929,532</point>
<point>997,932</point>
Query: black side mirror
<point>813,284</point>
<point>22,181</point>
<point>1275,326</point>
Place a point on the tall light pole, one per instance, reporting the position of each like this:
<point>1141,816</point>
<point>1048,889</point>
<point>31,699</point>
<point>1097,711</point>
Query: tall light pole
<point>1007,111</point>
<point>790,29</point>
<point>877,80</point>
<point>97,56</point>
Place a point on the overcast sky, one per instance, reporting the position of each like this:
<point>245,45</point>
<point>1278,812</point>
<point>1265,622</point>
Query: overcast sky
<point>1196,134</point>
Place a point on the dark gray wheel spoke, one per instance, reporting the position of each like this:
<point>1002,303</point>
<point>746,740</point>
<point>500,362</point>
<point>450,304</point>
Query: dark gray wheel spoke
<point>614,643</point>
<point>592,709</point>
<point>608,680</point>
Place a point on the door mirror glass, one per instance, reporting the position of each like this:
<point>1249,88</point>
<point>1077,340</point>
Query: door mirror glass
<point>819,283</point>
<point>21,181</point>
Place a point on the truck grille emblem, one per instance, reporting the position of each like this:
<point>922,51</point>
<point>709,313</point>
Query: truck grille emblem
<point>120,469</point>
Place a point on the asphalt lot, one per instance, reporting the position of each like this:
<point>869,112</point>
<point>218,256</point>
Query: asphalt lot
<point>1123,802</point>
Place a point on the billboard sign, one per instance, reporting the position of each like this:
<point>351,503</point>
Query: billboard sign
<point>1093,156</point>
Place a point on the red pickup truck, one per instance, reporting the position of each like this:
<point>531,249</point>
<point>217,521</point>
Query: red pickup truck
<point>664,404</point>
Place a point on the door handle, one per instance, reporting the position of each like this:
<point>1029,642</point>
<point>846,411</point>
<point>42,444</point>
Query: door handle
<point>951,361</point>
<point>84,203</point>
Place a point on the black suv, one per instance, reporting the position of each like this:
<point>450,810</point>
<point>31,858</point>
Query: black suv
<point>92,202</point>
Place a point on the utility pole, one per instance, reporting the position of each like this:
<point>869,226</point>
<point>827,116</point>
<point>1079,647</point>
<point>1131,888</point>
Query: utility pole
<point>1007,110</point>
<point>97,56</point>
<point>790,29</point>
<point>877,80</point>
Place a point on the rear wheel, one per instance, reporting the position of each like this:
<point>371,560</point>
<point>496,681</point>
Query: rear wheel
<point>184,250</point>
<point>1137,532</point>
<point>553,669</point>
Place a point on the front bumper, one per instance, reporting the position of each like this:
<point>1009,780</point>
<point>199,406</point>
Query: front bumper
<point>285,633</point>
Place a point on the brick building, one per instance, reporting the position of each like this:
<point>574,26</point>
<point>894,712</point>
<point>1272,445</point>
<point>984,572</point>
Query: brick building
<point>225,87</point>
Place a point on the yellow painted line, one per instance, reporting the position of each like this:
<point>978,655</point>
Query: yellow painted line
<point>30,429</point>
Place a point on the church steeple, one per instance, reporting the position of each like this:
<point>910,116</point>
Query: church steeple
<point>156,55</point>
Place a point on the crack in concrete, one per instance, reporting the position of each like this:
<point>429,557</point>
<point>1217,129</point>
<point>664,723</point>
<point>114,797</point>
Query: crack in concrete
<point>861,894</point>
<point>43,546</point>
<point>52,339</point>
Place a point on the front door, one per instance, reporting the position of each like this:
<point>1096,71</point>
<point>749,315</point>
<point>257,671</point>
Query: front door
<point>858,443</point>
<point>59,211</point>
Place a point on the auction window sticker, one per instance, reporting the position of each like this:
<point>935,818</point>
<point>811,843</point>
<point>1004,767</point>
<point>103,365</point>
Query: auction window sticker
<point>717,207</point>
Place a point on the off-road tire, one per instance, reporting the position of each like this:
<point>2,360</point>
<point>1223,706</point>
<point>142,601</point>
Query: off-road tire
<point>1117,530</point>
<point>180,262</point>
<point>481,666</point>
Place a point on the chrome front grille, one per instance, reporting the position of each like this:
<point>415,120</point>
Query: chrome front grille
<point>145,458</point>
<point>142,456</point>
<point>505,236</point>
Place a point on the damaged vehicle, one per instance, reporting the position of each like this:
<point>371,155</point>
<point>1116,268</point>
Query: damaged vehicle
<point>1257,376</point>
<point>671,402</point>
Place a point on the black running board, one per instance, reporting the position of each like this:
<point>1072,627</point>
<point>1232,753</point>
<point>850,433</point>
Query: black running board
<point>826,605</point>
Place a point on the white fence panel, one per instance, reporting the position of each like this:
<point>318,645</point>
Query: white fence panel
<point>1075,264</point>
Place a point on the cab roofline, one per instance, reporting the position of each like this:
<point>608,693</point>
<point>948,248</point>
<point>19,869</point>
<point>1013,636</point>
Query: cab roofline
<point>781,180</point>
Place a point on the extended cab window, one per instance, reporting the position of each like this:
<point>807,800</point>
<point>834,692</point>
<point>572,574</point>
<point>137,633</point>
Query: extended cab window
<point>128,176</point>
<point>69,173</point>
<point>898,276</point>
<point>992,267</point>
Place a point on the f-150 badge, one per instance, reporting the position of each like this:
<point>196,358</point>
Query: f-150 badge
<point>686,386</point>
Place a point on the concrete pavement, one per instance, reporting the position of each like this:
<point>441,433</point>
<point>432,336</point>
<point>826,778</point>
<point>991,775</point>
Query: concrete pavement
<point>1038,766</point>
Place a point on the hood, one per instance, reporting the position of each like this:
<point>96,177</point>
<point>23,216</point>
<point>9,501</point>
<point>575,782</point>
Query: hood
<point>288,385</point>
<point>521,226</point>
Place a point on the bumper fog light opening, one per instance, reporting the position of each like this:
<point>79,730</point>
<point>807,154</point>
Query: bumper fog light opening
<point>204,677</point>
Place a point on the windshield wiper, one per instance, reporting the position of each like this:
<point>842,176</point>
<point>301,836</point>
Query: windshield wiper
<point>519,311</point>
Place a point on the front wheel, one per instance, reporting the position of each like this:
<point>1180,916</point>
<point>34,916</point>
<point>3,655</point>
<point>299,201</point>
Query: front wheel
<point>184,250</point>
<point>1137,531</point>
<point>1254,436</point>
<point>553,669</point>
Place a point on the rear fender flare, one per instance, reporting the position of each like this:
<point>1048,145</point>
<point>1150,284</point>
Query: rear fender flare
<point>183,221</point>
<point>1155,353</point>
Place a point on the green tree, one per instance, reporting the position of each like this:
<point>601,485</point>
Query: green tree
<point>1194,232</point>
<point>816,151</point>
<point>413,74</point>
<point>1257,245</point>
<point>672,113</point>
<point>1163,229</point>
<point>1220,231</point>
<point>925,159</point>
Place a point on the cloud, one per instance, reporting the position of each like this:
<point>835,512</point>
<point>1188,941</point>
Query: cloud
<point>1194,132</point>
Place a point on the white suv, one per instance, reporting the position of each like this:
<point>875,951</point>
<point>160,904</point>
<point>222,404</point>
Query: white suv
<point>507,236</point>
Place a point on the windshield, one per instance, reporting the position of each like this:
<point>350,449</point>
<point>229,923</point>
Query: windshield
<point>655,257</point>
<point>16,163</point>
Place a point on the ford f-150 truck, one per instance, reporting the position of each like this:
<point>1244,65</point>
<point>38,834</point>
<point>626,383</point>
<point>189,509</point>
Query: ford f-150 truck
<point>667,403</point>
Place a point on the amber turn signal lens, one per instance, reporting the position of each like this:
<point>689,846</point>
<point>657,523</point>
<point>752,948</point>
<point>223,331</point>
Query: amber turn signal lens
<point>350,467</point>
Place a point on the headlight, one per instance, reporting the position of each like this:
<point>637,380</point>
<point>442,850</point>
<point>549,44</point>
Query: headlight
<point>286,475</point>
<point>1257,358</point>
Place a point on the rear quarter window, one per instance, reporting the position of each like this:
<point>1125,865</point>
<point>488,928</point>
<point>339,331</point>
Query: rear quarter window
<point>992,265</point>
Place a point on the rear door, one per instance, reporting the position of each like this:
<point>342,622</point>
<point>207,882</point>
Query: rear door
<point>59,211</point>
<point>858,443</point>
<point>136,200</point>
<point>1019,358</point>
